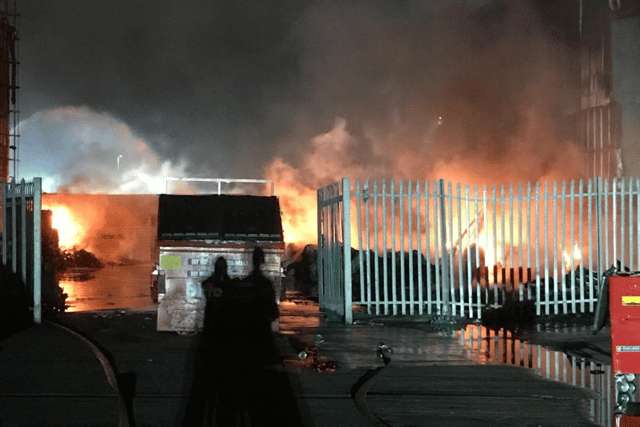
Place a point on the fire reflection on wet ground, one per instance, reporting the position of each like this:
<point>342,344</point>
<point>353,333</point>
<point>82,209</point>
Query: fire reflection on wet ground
<point>107,288</point>
<point>490,346</point>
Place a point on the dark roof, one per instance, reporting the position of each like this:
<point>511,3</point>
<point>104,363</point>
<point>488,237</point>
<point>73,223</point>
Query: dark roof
<point>219,217</point>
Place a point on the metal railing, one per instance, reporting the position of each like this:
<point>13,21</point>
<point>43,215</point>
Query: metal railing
<point>220,181</point>
<point>414,248</point>
<point>21,239</point>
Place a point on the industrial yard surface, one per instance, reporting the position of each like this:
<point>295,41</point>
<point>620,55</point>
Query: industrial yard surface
<point>106,368</point>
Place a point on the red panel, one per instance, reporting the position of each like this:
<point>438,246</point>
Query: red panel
<point>626,421</point>
<point>624,305</point>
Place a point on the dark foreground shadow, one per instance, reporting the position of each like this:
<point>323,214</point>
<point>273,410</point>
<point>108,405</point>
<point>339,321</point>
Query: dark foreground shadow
<point>238,374</point>
<point>240,384</point>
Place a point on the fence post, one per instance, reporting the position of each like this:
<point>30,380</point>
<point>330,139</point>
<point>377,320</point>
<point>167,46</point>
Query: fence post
<point>445,252</point>
<point>5,189</point>
<point>14,227</point>
<point>346,246</point>
<point>23,230</point>
<point>37,238</point>
<point>320,249</point>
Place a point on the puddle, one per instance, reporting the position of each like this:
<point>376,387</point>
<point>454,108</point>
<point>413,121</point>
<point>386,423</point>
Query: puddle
<point>490,346</point>
<point>107,288</point>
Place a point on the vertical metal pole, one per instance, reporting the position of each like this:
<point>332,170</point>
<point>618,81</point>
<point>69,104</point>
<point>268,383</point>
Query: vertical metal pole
<point>419,244</point>
<point>5,189</point>
<point>529,242</point>
<point>346,232</point>
<point>37,265</point>
<point>451,264</point>
<point>546,249</point>
<point>556,276</point>
<point>376,243</point>
<point>637,228</point>
<point>494,225</point>
<point>486,244</point>
<point>512,262</point>
<point>572,240</point>
<point>385,252</point>
<point>358,197</point>
<point>410,227</point>
<point>607,222</point>
<point>622,225</point>
<point>581,192</point>
<point>537,251</point>
<point>402,249</point>
<point>321,295</point>
<point>394,282</point>
<point>23,230</point>
<point>368,244</point>
<point>427,231</point>
<point>476,239</point>
<point>14,227</point>
<point>469,253</point>
<point>520,244</point>
<point>459,249</point>
<point>436,246</point>
<point>589,231</point>
<point>443,239</point>
<point>599,261</point>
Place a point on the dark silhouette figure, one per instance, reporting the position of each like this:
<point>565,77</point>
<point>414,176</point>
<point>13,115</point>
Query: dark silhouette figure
<point>215,287</point>
<point>203,398</point>
<point>239,378</point>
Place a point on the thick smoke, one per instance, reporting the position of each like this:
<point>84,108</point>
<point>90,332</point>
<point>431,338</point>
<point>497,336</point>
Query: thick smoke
<point>304,92</point>
<point>477,96</point>
<point>470,95</point>
<point>76,150</point>
<point>232,85</point>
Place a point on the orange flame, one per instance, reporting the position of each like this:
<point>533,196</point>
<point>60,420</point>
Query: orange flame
<point>571,257</point>
<point>69,231</point>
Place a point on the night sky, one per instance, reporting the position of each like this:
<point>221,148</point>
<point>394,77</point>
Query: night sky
<point>245,89</point>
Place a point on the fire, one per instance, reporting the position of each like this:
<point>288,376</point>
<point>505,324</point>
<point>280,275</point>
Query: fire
<point>297,202</point>
<point>69,232</point>
<point>492,254</point>
<point>570,258</point>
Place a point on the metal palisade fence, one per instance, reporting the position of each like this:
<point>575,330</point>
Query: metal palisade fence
<point>21,235</point>
<point>436,248</point>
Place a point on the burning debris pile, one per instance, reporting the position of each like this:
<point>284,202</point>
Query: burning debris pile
<point>300,266</point>
<point>79,258</point>
<point>53,296</point>
<point>104,229</point>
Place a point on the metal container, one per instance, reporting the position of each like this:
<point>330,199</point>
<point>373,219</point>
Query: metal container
<point>193,231</point>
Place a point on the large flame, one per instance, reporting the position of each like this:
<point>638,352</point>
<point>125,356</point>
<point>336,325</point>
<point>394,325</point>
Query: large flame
<point>70,232</point>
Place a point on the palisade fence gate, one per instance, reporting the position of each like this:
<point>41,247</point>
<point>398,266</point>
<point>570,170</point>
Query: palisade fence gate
<point>436,248</point>
<point>21,235</point>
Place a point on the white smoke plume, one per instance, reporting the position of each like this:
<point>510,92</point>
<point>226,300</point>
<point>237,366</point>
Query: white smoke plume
<point>78,150</point>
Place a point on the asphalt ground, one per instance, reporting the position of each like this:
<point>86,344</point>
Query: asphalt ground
<point>106,368</point>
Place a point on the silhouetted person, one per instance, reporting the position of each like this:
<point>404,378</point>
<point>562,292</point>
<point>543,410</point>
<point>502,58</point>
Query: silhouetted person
<point>215,288</point>
<point>204,390</point>
<point>247,385</point>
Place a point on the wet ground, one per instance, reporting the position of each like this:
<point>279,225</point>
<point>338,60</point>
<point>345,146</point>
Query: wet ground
<point>570,355</point>
<point>111,287</point>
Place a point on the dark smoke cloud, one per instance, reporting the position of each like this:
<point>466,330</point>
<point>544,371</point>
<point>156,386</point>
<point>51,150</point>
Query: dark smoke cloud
<point>233,85</point>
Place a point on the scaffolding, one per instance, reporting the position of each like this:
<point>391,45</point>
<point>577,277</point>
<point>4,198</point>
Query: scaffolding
<point>9,85</point>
